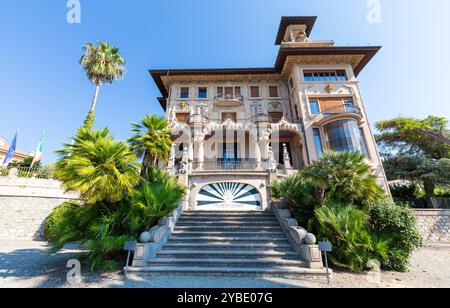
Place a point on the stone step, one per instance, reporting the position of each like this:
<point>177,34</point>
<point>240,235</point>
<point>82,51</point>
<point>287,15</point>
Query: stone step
<point>230,234</point>
<point>226,219</point>
<point>230,271</point>
<point>227,223</point>
<point>226,262</point>
<point>244,215</point>
<point>217,228</point>
<point>243,212</point>
<point>226,246</point>
<point>221,239</point>
<point>225,253</point>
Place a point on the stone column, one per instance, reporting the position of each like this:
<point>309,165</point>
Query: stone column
<point>256,151</point>
<point>171,162</point>
<point>191,151</point>
<point>199,141</point>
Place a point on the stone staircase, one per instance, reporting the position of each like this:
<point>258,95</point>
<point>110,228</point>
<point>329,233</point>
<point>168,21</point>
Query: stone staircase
<point>228,242</point>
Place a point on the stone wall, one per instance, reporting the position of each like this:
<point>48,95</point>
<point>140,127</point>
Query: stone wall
<point>26,203</point>
<point>434,225</point>
<point>22,218</point>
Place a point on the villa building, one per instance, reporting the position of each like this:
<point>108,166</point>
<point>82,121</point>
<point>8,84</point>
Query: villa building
<point>236,131</point>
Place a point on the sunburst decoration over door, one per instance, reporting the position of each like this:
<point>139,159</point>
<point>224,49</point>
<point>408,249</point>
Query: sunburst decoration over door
<point>229,195</point>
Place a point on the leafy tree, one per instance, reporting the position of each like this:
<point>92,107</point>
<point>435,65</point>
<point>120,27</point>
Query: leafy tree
<point>151,141</point>
<point>407,135</point>
<point>103,64</point>
<point>419,168</point>
<point>343,177</point>
<point>26,163</point>
<point>98,167</point>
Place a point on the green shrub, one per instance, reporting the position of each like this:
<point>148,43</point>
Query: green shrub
<point>411,194</point>
<point>300,197</point>
<point>4,171</point>
<point>104,229</point>
<point>400,224</point>
<point>59,218</point>
<point>354,244</point>
<point>442,192</point>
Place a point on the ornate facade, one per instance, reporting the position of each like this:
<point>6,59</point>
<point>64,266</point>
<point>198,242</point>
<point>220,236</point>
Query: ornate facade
<point>235,131</point>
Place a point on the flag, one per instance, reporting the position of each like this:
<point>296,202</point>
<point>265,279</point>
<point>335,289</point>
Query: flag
<point>10,155</point>
<point>38,154</point>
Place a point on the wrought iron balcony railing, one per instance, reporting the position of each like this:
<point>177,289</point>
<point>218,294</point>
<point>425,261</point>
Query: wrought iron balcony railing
<point>347,109</point>
<point>226,165</point>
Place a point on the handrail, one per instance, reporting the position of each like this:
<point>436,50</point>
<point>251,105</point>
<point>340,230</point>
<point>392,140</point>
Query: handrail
<point>346,109</point>
<point>225,164</point>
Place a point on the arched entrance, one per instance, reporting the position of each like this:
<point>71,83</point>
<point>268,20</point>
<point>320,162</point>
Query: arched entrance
<point>228,196</point>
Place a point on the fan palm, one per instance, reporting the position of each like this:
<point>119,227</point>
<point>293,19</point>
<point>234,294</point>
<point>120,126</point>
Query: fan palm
<point>354,244</point>
<point>103,64</point>
<point>343,177</point>
<point>99,168</point>
<point>157,196</point>
<point>151,140</point>
<point>299,194</point>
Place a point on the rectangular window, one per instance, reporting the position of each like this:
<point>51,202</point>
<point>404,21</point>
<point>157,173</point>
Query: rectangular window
<point>314,106</point>
<point>325,76</point>
<point>363,143</point>
<point>349,107</point>
<point>229,92</point>
<point>318,142</point>
<point>184,92</point>
<point>273,91</point>
<point>237,92</point>
<point>254,91</point>
<point>309,77</point>
<point>203,92</point>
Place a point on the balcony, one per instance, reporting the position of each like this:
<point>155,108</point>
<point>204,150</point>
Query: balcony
<point>267,118</point>
<point>260,118</point>
<point>229,100</point>
<point>231,165</point>
<point>338,112</point>
<point>197,120</point>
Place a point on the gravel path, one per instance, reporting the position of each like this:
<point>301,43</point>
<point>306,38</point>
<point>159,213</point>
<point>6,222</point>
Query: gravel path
<point>26,264</point>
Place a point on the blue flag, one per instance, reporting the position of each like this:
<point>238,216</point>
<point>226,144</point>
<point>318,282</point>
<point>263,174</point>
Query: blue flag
<point>12,149</point>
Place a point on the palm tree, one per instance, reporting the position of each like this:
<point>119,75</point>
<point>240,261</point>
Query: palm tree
<point>99,168</point>
<point>343,177</point>
<point>103,64</point>
<point>157,196</point>
<point>151,141</point>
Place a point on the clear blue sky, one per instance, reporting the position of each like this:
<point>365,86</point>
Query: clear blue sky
<point>42,86</point>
